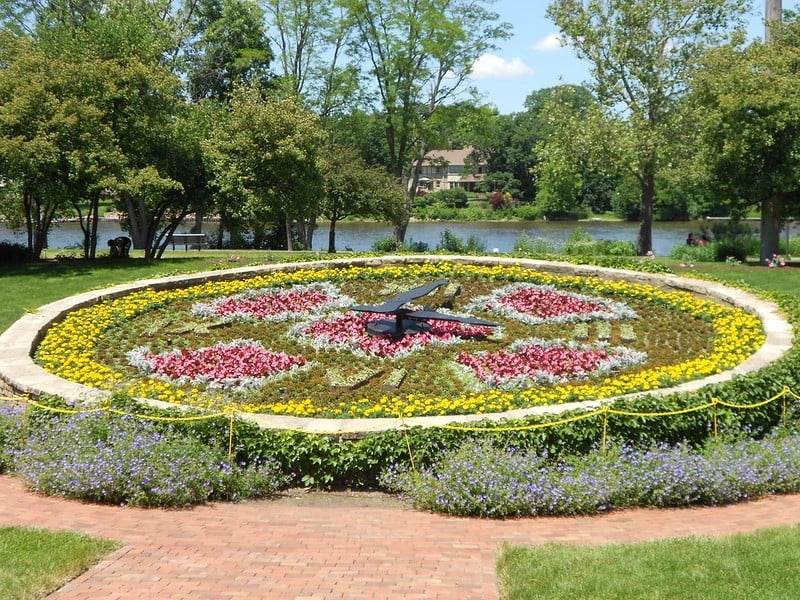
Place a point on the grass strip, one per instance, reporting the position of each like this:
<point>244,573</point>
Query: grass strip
<point>759,565</point>
<point>35,562</point>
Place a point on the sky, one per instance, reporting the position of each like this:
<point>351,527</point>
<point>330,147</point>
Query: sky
<point>533,59</point>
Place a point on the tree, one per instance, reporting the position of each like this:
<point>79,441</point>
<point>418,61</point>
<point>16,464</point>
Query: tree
<point>419,55</point>
<point>641,54</point>
<point>231,47</point>
<point>30,115</point>
<point>312,38</point>
<point>265,152</point>
<point>747,114</point>
<point>354,189</point>
<point>569,159</point>
<point>55,139</point>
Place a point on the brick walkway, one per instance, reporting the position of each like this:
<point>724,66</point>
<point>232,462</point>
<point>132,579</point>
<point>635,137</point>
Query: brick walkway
<point>265,550</point>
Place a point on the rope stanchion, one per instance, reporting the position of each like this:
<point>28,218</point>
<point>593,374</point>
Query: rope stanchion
<point>714,401</point>
<point>232,416</point>
<point>408,444</point>
<point>605,431</point>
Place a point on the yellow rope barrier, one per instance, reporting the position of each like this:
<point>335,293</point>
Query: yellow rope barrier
<point>523,427</point>
<point>605,411</point>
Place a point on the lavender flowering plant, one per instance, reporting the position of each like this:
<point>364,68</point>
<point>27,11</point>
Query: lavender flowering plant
<point>479,479</point>
<point>114,459</point>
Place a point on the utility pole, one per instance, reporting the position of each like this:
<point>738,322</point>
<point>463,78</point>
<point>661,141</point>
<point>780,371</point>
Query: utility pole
<point>771,207</point>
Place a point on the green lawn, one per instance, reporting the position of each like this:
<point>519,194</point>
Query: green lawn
<point>760,565</point>
<point>34,563</point>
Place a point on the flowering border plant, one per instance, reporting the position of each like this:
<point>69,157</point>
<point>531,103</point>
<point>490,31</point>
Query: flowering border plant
<point>536,361</point>
<point>275,305</point>
<point>348,331</point>
<point>536,304</point>
<point>239,365</point>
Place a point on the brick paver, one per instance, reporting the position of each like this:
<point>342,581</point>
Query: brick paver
<point>265,550</point>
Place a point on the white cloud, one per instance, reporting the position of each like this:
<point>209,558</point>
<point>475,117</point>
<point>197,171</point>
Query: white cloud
<point>491,66</point>
<point>551,43</point>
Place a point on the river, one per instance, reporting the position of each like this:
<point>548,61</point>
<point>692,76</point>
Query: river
<point>499,235</point>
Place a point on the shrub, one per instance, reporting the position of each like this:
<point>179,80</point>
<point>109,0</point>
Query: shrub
<point>450,242</point>
<point>526,244</point>
<point>13,253</point>
<point>497,200</point>
<point>101,457</point>
<point>688,253</point>
<point>526,212</point>
<point>581,243</point>
<point>385,244</point>
<point>11,415</point>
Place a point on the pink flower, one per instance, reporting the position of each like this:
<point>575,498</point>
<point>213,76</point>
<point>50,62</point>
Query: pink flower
<point>222,361</point>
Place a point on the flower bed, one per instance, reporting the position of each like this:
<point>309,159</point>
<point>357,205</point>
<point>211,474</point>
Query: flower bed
<point>300,314</point>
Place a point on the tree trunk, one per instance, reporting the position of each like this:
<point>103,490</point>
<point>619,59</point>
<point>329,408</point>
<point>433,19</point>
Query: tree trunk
<point>137,221</point>
<point>289,245</point>
<point>770,228</point>
<point>94,219</point>
<point>644,241</point>
<point>772,16</point>
<point>332,237</point>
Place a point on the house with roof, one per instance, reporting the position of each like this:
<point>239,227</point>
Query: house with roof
<point>449,169</point>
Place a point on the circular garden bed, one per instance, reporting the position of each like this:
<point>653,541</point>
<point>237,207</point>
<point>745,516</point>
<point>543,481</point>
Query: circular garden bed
<point>286,342</point>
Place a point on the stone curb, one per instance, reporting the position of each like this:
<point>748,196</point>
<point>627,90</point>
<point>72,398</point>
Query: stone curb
<point>19,374</point>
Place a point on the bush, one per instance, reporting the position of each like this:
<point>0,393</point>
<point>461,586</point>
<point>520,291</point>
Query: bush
<point>449,242</point>
<point>581,243</point>
<point>526,212</point>
<point>526,244</point>
<point>438,212</point>
<point>688,253</point>
<point>12,253</point>
<point>111,459</point>
<point>385,244</point>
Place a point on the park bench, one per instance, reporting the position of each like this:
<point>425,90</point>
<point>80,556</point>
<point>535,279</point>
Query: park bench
<point>189,240</point>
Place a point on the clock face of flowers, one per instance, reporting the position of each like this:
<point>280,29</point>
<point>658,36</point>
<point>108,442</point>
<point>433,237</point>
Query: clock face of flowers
<point>288,343</point>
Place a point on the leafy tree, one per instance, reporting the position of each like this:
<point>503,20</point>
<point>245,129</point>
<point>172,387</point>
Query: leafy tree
<point>363,131</point>
<point>576,138</point>
<point>231,46</point>
<point>419,55</point>
<point>312,39</point>
<point>351,188</point>
<point>119,106</point>
<point>56,143</point>
<point>265,152</point>
<point>641,54</point>
<point>747,112</point>
<point>144,110</point>
<point>29,119</point>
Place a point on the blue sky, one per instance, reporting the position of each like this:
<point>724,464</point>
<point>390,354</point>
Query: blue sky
<point>533,59</point>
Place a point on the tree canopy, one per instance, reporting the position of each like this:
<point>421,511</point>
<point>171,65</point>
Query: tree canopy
<point>641,54</point>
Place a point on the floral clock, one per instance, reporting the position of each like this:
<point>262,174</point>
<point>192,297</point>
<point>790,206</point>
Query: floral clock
<point>290,343</point>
